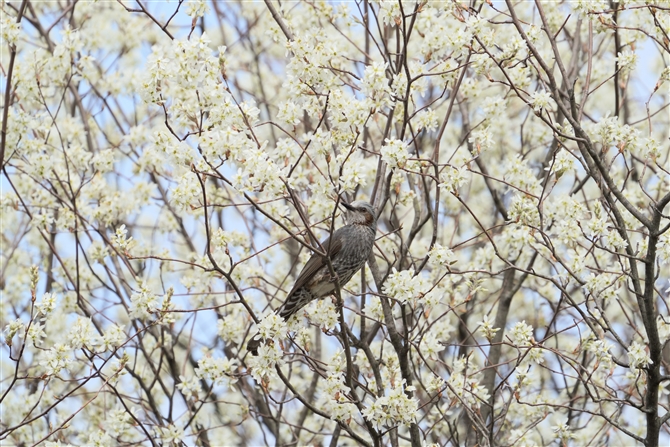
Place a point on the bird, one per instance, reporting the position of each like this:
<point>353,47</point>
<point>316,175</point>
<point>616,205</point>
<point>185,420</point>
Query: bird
<point>348,248</point>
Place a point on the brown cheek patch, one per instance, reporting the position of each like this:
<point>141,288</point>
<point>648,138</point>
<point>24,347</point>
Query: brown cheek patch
<point>368,219</point>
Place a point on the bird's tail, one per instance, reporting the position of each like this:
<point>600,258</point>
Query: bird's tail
<point>286,312</point>
<point>294,302</point>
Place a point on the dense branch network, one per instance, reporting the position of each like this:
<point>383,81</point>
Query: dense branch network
<point>168,169</point>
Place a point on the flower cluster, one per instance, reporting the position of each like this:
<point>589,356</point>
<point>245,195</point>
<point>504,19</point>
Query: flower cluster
<point>171,434</point>
<point>626,60</point>
<point>521,334</point>
<point>143,303</point>
<point>452,178</point>
<point>440,255</point>
<point>57,358</point>
<point>335,398</point>
<point>231,327</point>
<point>120,240</point>
<point>376,85</point>
<point>394,152</point>
<point>262,366</point>
<point>601,350</point>
<point>10,29</point>
<point>405,286</point>
<point>394,409</point>
<point>12,329</point>
<point>271,326</point>
<point>465,388</point>
<point>541,100</point>
<point>82,334</point>
<point>218,370</point>
<point>197,8</point>
<point>487,326</point>
<point>220,152</point>
<point>638,356</point>
<point>323,313</point>
<point>563,433</point>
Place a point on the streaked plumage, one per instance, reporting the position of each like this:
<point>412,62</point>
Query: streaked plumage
<point>350,247</point>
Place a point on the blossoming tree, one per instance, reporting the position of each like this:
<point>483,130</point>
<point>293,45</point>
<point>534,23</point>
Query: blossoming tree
<point>167,169</point>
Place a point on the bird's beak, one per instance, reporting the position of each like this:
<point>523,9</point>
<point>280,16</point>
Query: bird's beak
<point>347,206</point>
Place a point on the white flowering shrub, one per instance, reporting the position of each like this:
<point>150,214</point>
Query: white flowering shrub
<point>168,168</point>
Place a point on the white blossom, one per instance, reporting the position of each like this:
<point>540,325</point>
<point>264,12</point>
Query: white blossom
<point>12,329</point>
<point>452,178</point>
<point>104,160</point>
<point>270,326</point>
<point>231,328</point>
<point>664,249</point>
<point>263,365</point>
<point>482,138</point>
<point>562,432</point>
<point>394,152</point>
<point>638,356</point>
<point>171,434</point>
<point>627,60</point>
<point>117,421</point>
<point>47,305</point>
<point>440,255</point>
<point>396,408</point>
<point>521,333</point>
<point>488,328</point>
<point>541,100</point>
<point>323,313</point>
<point>405,286</point>
<point>190,388</point>
<point>426,119</point>
<point>218,370</point>
<point>82,334</point>
<point>290,113</point>
<point>196,8</point>
<point>113,337</point>
<point>10,29</point>
<point>56,358</point>
<point>466,389</point>
<point>564,161</point>
<point>120,240</point>
<point>143,303</point>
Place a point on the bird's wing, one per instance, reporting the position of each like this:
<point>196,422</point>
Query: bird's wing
<point>316,262</point>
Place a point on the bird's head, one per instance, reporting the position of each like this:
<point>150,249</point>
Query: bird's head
<point>361,213</point>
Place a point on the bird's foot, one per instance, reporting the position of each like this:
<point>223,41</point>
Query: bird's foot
<point>337,303</point>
